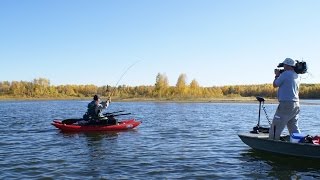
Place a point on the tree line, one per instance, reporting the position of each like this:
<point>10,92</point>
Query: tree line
<point>161,90</point>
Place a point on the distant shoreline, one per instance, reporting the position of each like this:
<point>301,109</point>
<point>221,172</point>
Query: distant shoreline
<point>195,100</point>
<point>164,100</point>
<point>185,100</point>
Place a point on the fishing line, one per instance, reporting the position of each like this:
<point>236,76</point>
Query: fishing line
<point>124,73</point>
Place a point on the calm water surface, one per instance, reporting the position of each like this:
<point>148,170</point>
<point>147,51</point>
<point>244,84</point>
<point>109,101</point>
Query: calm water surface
<point>175,141</point>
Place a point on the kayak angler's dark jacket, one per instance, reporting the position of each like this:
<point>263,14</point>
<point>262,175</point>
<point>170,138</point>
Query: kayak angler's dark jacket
<point>95,108</point>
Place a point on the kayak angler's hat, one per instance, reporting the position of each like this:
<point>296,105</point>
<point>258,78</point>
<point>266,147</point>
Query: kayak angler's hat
<point>289,62</point>
<point>96,97</point>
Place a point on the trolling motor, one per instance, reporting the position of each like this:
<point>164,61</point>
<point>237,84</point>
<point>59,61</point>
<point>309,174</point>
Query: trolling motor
<point>258,129</point>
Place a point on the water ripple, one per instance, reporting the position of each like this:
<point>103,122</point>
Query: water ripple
<point>175,141</point>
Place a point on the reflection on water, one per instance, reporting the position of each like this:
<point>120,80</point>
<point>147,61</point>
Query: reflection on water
<point>278,166</point>
<point>310,101</point>
<point>92,136</point>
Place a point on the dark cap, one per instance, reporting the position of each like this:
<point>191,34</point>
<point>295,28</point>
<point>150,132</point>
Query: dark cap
<point>96,97</point>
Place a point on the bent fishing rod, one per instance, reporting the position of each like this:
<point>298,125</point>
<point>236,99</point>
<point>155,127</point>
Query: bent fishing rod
<point>124,73</point>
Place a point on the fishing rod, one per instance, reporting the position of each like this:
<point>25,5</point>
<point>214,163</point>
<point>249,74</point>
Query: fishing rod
<point>124,73</point>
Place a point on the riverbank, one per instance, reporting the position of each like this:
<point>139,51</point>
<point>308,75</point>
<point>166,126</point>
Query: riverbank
<point>176,100</point>
<point>198,100</point>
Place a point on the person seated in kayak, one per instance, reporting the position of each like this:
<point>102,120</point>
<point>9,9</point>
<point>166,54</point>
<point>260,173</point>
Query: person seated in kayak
<point>95,108</point>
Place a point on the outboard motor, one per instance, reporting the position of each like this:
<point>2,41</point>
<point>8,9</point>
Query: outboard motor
<point>258,129</point>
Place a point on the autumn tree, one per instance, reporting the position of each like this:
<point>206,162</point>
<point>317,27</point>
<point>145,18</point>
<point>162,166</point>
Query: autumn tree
<point>41,86</point>
<point>18,88</point>
<point>181,86</point>
<point>195,88</point>
<point>161,85</point>
<point>4,87</point>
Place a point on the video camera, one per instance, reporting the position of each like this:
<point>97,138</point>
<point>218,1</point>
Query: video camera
<point>300,67</point>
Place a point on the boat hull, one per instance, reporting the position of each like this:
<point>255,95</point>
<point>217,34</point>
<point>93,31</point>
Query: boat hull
<point>122,126</point>
<point>263,143</point>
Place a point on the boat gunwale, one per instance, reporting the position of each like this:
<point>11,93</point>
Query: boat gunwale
<point>275,141</point>
<point>301,150</point>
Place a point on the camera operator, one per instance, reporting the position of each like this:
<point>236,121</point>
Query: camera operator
<point>287,113</point>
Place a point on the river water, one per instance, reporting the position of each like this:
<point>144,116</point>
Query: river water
<point>174,141</point>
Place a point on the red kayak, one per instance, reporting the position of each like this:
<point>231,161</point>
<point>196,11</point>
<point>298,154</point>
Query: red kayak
<point>123,125</point>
